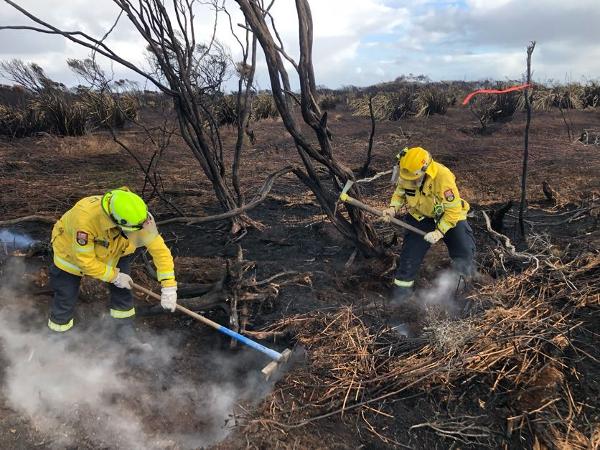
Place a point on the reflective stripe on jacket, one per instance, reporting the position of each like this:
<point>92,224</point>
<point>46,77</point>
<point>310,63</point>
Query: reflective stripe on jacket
<point>437,198</point>
<point>86,241</point>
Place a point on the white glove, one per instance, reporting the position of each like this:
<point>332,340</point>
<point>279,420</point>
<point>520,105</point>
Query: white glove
<point>122,280</point>
<point>168,298</point>
<point>433,236</point>
<point>388,213</point>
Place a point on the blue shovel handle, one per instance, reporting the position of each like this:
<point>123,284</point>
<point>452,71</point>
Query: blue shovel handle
<point>275,356</point>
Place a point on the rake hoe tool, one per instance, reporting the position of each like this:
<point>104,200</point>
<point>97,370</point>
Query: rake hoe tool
<point>267,371</point>
<point>352,201</point>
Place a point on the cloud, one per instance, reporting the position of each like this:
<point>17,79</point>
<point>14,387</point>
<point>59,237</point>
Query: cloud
<point>354,40</point>
<point>496,33</point>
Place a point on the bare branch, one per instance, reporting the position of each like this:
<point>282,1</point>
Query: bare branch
<point>259,198</point>
<point>83,39</point>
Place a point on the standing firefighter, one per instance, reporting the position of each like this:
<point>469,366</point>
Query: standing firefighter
<point>97,238</point>
<point>427,191</point>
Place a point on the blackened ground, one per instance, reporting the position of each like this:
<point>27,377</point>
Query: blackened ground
<point>47,175</point>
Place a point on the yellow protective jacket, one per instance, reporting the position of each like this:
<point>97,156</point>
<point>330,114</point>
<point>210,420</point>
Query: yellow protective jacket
<point>437,198</point>
<point>86,242</point>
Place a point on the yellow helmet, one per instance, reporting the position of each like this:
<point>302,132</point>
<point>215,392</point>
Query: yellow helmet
<point>413,163</point>
<point>127,210</point>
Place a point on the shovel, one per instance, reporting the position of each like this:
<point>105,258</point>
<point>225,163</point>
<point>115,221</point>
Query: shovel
<point>267,371</point>
<point>352,201</point>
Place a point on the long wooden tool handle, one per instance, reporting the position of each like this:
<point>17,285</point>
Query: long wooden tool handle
<point>379,213</point>
<point>184,310</point>
<point>274,355</point>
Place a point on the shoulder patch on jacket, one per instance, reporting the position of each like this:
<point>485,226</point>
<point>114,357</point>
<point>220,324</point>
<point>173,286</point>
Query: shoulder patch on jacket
<point>82,238</point>
<point>449,195</point>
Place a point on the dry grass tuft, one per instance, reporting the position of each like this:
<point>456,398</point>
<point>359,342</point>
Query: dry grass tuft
<point>450,336</point>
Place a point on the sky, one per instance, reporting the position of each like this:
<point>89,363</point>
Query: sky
<point>356,42</point>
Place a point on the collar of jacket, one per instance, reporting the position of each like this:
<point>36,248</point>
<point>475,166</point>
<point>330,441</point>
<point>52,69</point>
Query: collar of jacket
<point>430,174</point>
<point>432,170</point>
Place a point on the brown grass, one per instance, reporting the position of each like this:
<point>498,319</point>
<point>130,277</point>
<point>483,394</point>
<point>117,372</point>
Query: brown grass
<point>517,345</point>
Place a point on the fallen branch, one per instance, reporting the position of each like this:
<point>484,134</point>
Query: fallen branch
<point>259,198</point>
<point>261,335</point>
<point>33,218</point>
<point>464,429</point>
<point>507,245</point>
<point>374,177</point>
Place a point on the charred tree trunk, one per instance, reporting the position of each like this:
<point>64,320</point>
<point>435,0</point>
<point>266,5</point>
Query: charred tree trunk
<point>365,168</point>
<point>523,204</point>
<point>357,227</point>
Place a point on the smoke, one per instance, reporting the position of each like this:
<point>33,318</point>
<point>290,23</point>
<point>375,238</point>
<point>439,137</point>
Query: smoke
<point>442,294</point>
<point>83,387</point>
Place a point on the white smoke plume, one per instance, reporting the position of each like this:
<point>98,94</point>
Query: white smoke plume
<point>82,387</point>
<point>442,294</point>
<point>444,327</point>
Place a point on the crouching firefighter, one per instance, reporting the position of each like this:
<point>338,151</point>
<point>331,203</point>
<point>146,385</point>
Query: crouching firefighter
<point>97,238</point>
<point>426,191</point>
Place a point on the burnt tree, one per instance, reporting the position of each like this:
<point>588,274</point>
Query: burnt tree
<point>190,72</point>
<point>523,203</point>
<point>354,226</point>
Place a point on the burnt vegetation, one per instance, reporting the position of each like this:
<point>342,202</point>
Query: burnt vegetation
<point>246,185</point>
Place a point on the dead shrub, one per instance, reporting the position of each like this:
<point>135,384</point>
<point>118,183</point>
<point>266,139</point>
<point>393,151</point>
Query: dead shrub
<point>386,106</point>
<point>61,116</point>
<point>564,97</point>
<point>263,107</point>
<point>591,95</point>
<point>225,110</point>
<point>17,123</point>
<point>328,102</point>
<point>431,101</point>
<point>109,111</point>
<point>506,105</point>
<point>494,108</point>
<point>513,349</point>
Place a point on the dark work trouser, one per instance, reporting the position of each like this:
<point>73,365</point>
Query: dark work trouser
<point>66,292</point>
<point>459,240</point>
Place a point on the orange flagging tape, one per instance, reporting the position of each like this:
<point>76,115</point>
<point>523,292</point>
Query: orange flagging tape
<point>494,91</point>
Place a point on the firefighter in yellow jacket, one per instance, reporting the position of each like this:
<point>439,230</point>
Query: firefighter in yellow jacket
<point>426,191</point>
<point>97,238</point>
